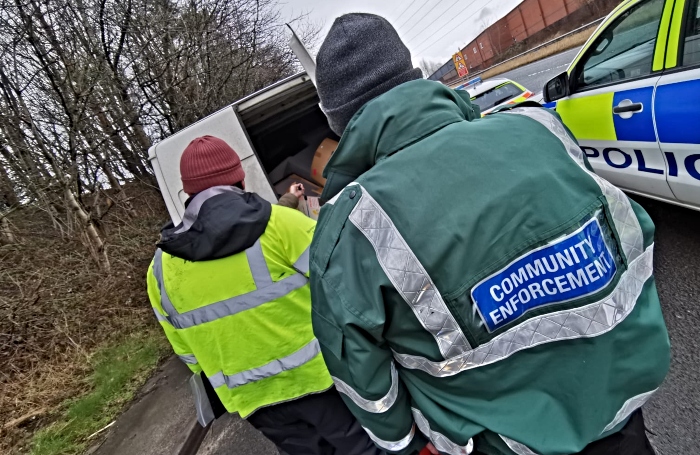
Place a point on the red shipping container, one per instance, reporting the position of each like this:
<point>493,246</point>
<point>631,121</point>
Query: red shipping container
<point>553,10</point>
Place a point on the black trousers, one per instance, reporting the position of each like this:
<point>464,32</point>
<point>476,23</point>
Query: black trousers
<point>631,440</point>
<point>318,424</point>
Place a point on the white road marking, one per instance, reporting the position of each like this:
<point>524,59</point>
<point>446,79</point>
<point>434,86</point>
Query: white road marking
<point>548,69</point>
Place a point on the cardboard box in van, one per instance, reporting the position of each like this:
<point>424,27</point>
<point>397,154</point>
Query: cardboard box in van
<point>310,189</point>
<point>321,157</point>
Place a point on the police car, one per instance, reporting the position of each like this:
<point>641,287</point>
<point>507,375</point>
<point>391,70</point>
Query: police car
<point>494,93</point>
<point>632,99</point>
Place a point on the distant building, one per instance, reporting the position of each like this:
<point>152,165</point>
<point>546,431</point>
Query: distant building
<point>529,24</point>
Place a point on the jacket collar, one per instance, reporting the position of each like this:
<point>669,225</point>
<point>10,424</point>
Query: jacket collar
<point>390,123</point>
<point>218,222</point>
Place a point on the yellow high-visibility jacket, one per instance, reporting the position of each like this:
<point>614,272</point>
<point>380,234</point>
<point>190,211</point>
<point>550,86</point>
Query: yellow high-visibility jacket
<point>243,317</point>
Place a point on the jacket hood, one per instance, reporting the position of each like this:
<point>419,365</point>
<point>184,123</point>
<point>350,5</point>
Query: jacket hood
<point>391,122</point>
<point>218,222</point>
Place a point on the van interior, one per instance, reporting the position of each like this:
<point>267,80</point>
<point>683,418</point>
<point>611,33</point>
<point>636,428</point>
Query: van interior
<point>286,128</point>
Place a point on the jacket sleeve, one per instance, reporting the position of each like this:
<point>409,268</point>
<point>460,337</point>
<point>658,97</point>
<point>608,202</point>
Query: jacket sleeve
<point>180,347</point>
<point>289,200</point>
<point>348,320</point>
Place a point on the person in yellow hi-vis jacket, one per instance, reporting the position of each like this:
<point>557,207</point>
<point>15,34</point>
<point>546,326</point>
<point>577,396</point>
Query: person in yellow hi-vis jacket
<point>229,285</point>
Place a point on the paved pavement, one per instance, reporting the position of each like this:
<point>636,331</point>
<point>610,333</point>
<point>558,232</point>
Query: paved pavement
<point>160,419</point>
<point>231,435</point>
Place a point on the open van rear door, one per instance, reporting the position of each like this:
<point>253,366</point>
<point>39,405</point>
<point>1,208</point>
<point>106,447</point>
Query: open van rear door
<point>303,55</point>
<point>225,124</point>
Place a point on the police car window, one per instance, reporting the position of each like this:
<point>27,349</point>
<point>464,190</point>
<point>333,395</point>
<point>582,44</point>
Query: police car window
<point>691,45</point>
<point>496,96</point>
<point>625,49</point>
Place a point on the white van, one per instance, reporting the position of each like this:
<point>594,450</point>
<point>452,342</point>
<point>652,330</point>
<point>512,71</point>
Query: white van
<point>275,131</point>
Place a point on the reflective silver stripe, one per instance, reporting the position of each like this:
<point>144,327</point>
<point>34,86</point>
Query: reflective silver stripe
<point>408,276</point>
<point>158,273</point>
<point>631,236</point>
<point>258,266</point>
<point>266,292</point>
<point>517,447</point>
<point>160,317</point>
<point>188,358</point>
<point>378,406</point>
<point>297,359</point>
<point>195,205</point>
<point>588,321</point>
<point>205,413</point>
<point>628,408</point>
<point>239,303</point>
<point>439,440</point>
<point>392,446</point>
<point>302,264</point>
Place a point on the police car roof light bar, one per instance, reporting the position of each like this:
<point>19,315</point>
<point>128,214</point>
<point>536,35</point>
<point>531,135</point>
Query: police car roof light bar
<point>476,80</point>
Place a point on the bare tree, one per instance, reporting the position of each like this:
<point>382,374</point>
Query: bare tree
<point>86,86</point>
<point>428,67</point>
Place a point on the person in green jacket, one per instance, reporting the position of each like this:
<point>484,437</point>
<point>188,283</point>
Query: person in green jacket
<point>229,285</point>
<point>474,283</point>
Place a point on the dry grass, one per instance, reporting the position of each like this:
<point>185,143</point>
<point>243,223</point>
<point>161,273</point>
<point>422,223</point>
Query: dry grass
<point>117,371</point>
<point>57,309</point>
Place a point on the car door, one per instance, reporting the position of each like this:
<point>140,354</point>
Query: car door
<point>610,109</point>
<point>677,104</point>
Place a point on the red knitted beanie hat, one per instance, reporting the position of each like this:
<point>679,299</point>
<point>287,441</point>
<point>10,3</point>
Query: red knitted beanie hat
<point>209,161</point>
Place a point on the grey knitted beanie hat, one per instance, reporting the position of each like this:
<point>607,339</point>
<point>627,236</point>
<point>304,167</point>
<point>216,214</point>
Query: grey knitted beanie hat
<point>361,58</point>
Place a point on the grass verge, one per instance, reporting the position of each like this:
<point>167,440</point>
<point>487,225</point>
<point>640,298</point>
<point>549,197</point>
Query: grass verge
<point>61,317</point>
<point>118,370</point>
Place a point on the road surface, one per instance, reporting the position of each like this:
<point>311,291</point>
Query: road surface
<point>535,75</point>
<point>673,414</point>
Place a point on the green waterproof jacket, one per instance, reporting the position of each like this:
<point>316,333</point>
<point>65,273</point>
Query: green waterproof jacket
<point>475,284</point>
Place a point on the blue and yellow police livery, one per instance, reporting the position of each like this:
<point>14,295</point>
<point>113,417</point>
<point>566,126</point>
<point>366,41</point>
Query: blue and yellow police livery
<point>494,93</point>
<point>632,99</point>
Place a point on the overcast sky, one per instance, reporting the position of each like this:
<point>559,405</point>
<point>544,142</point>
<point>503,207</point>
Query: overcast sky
<point>432,29</point>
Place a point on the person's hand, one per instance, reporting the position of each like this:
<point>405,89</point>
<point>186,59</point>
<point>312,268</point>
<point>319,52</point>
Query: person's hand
<point>297,190</point>
<point>429,449</point>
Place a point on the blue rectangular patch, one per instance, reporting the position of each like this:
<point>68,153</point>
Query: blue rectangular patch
<point>569,268</point>
<point>676,113</point>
